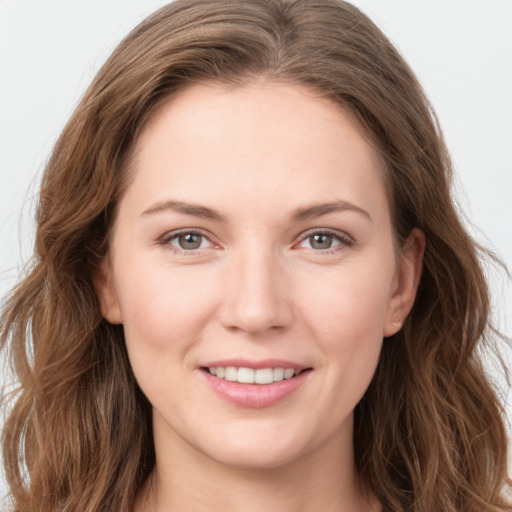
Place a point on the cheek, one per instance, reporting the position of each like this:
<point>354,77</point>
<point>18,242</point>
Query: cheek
<point>163,311</point>
<point>347,318</point>
<point>350,301</point>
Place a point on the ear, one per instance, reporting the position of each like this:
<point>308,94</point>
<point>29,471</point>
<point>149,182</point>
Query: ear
<point>406,282</point>
<point>106,293</point>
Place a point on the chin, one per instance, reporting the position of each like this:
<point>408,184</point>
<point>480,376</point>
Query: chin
<point>255,449</point>
<point>255,457</point>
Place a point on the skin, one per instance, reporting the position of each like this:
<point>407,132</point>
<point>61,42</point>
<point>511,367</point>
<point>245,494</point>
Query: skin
<point>258,287</point>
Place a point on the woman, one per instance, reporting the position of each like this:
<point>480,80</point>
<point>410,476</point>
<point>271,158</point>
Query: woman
<point>251,287</point>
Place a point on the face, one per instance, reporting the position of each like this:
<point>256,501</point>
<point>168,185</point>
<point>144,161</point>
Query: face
<point>252,265</point>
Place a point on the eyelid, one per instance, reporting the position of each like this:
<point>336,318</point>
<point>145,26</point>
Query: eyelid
<point>170,235</point>
<point>344,239</point>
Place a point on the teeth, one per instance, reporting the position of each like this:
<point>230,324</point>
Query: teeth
<point>246,375</point>
<point>231,374</point>
<point>289,373</point>
<point>251,376</point>
<point>278,374</point>
<point>264,376</point>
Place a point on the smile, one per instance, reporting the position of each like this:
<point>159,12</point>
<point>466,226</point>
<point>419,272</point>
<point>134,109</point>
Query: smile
<point>245,375</point>
<point>265,384</point>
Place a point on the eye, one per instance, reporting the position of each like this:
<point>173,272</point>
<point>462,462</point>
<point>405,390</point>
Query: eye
<point>322,241</point>
<point>325,240</point>
<point>187,241</point>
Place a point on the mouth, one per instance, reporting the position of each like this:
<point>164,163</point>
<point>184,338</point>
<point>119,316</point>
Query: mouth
<point>261,376</point>
<point>254,385</point>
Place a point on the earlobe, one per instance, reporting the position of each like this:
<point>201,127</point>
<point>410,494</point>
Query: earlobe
<point>106,293</point>
<point>408,279</point>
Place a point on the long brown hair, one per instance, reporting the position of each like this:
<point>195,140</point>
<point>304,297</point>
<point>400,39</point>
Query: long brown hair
<point>429,432</point>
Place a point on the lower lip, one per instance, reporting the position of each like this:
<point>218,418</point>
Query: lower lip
<point>255,396</point>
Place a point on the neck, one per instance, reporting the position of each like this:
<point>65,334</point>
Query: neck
<point>324,479</point>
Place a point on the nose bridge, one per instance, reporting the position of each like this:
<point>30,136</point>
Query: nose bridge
<point>255,299</point>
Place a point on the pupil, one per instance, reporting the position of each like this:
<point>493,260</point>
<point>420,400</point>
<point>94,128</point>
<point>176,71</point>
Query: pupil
<point>190,241</point>
<point>321,241</point>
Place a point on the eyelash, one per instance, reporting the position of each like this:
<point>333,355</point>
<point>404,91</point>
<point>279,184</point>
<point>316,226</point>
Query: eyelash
<point>173,235</point>
<point>343,239</point>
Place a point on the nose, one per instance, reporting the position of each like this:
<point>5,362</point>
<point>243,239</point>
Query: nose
<point>256,297</point>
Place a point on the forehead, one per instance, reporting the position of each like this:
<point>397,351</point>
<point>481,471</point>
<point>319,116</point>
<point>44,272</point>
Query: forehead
<point>214,142</point>
<point>205,108</point>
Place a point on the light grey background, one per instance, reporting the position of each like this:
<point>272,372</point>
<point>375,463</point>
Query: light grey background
<point>460,49</point>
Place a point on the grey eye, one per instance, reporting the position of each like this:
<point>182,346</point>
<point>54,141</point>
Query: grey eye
<point>321,241</point>
<point>188,241</point>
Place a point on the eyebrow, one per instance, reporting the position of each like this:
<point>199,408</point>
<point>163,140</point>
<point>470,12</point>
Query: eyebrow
<point>299,214</point>
<point>186,208</point>
<point>317,210</point>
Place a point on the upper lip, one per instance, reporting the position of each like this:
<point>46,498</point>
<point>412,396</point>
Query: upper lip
<point>255,365</point>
